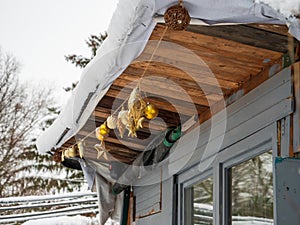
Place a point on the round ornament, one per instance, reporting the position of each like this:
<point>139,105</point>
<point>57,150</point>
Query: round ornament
<point>151,111</point>
<point>111,122</point>
<point>104,130</point>
<point>99,136</point>
<point>177,17</point>
<point>123,117</point>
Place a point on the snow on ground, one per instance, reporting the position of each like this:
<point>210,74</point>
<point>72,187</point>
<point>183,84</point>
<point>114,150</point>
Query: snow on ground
<point>46,197</point>
<point>63,220</point>
<point>67,220</point>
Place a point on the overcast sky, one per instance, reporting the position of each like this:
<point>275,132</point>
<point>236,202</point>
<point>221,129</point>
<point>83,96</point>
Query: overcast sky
<point>40,32</point>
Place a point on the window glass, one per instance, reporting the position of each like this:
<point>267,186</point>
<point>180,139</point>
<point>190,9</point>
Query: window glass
<point>203,202</point>
<point>252,191</point>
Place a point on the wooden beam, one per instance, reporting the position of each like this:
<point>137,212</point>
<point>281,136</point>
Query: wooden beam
<point>254,35</point>
<point>206,62</point>
<point>178,106</point>
<point>215,47</point>
<point>246,87</point>
<point>188,74</point>
<point>135,145</point>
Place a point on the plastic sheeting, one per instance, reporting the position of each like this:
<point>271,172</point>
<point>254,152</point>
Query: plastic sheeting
<point>110,205</point>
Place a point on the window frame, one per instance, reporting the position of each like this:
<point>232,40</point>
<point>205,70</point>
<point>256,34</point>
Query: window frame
<point>264,118</point>
<point>187,188</point>
<point>256,144</point>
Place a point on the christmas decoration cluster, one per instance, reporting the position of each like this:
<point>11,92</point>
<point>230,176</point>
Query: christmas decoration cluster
<point>130,119</point>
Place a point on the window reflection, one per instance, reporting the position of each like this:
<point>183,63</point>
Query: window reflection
<point>203,202</point>
<point>252,191</point>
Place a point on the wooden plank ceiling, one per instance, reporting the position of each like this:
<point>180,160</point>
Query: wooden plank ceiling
<point>238,57</point>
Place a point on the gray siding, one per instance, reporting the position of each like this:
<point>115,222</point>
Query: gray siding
<point>254,113</point>
<point>147,197</point>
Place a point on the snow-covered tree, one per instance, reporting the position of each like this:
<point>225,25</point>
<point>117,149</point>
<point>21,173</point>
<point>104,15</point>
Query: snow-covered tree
<point>251,189</point>
<point>93,42</point>
<point>24,111</point>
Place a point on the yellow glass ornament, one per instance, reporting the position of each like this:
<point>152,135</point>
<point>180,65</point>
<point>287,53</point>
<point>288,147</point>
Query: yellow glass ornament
<point>104,130</point>
<point>99,136</point>
<point>151,111</point>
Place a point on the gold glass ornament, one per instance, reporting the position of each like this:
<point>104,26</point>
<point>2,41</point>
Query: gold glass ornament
<point>104,130</point>
<point>70,152</point>
<point>151,111</point>
<point>99,136</point>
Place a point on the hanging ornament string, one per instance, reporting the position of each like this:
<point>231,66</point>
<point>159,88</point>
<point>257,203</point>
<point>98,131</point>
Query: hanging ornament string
<point>82,139</point>
<point>138,85</point>
<point>152,55</point>
<point>137,108</point>
<point>176,18</point>
<point>144,72</point>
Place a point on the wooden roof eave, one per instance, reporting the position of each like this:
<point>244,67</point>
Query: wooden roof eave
<point>238,67</point>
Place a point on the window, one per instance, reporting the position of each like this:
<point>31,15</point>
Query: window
<point>199,203</point>
<point>251,191</point>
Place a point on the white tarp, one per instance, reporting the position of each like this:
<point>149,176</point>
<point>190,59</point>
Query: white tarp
<point>129,30</point>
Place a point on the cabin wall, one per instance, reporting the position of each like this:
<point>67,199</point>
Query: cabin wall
<point>148,200</point>
<point>243,130</point>
<point>261,107</point>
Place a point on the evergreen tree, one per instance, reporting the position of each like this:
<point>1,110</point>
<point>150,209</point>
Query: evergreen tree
<point>93,42</point>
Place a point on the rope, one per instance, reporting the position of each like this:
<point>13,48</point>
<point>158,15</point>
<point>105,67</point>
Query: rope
<point>151,58</point>
<point>138,85</point>
<point>145,70</point>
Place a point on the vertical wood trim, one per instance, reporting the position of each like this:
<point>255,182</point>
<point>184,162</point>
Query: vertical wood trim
<point>276,139</point>
<point>218,191</point>
<point>227,195</point>
<point>175,201</point>
<point>188,212</point>
<point>296,116</point>
<point>285,137</point>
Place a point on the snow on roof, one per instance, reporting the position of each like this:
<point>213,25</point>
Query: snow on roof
<point>128,33</point>
<point>287,8</point>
